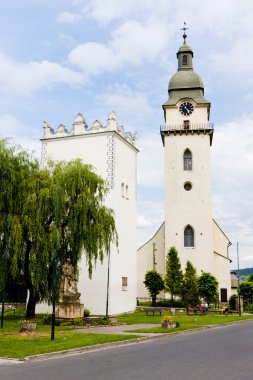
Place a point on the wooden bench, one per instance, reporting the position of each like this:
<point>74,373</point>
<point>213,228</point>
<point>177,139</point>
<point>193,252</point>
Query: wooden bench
<point>153,310</point>
<point>195,311</point>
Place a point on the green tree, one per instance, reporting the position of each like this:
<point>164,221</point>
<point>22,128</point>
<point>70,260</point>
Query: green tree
<point>30,200</point>
<point>246,290</point>
<point>208,287</point>
<point>190,287</point>
<point>174,274</point>
<point>250,278</point>
<point>154,283</point>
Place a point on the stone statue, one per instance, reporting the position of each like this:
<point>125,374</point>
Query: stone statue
<point>68,291</point>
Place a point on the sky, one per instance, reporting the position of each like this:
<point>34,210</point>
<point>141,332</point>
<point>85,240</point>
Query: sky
<point>62,57</point>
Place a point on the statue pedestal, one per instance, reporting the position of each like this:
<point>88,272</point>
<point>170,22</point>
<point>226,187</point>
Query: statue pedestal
<point>69,310</point>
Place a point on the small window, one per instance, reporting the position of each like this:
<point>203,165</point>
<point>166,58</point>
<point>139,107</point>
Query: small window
<point>124,283</point>
<point>188,237</point>
<point>126,192</point>
<point>184,60</point>
<point>186,124</point>
<point>224,295</point>
<point>187,160</point>
<point>187,186</point>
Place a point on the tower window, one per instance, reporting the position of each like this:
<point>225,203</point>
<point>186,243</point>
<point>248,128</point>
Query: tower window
<point>187,186</point>
<point>184,59</point>
<point>187,160</point>
<point>186,124</point>
<point>188,237</point>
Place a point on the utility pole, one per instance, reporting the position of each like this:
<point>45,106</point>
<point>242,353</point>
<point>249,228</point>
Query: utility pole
<point>238,289</point>
<point>55,262</point>
<point>5,270</point>
<point>107,287</point>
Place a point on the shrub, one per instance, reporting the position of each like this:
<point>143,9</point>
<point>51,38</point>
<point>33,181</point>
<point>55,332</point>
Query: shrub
<point>86,312</point>
<point>232,302</point>
<point>169,303</point>
<point>47,319</point>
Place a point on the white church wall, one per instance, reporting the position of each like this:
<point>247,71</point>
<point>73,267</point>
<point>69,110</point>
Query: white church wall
<point>114,158</point>
<point>175,118</point>
<point>221,259</point>
<point>192,207</point>
<point>222,273</point>
<point>145,261</point>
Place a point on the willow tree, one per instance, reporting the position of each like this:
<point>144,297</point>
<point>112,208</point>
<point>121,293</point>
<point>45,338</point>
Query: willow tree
<point>63,207</point>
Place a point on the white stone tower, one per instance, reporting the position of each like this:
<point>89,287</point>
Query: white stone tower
<point>112,153</point>
<point>187,137</point>
<point>189,226</point>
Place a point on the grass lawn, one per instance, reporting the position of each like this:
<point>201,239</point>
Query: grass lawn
<point>19,346</point>
<point>16,345</point>
<point>186,322</point>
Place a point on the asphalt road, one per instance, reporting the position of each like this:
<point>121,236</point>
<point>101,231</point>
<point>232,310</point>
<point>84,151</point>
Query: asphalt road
<point>217,354</point>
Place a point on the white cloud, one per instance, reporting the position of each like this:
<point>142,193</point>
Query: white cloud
<point>130,104</point>
<point>151,160</point>
<point>25,78</point>
<point>150,218</point>
<point>233,182</point>
<point>15,131</point>
<point>131,44</point>
<point>143,222</point>
<point>69,18</point>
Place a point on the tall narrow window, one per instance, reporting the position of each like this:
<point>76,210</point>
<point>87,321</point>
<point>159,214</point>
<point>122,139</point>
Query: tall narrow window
<point>184,59</point>
<point>188,237</point>
<point>187,160</point>
<point>186,124</point>
<point>126,191</point>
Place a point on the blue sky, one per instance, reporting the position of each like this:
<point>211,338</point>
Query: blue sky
<point>61,57</point>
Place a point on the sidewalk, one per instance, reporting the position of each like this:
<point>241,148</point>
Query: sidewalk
<point>119,329</point>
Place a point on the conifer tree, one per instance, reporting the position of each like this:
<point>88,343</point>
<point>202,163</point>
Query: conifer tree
<point>174,274</point>
<point>190,287</point>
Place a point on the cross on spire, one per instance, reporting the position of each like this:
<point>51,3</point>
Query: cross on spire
<point>184,35</point>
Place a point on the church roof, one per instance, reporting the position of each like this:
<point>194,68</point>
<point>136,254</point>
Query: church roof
<point>185,83</point>
<point>185,79</point>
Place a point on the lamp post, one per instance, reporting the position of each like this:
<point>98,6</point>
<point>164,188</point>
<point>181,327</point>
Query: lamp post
<point>238,289</point>
<point>107,288</point>
<point>55,263</point>
<point>5,271</point>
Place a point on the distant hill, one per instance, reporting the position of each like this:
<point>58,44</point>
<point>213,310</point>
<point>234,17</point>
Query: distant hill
<point>243,273</point>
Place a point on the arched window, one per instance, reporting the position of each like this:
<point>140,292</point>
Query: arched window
<point>187,160</point>
<point>184,59</point>
<point>188,237</point>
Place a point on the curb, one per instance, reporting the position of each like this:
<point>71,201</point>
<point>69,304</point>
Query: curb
<point>106,346</point>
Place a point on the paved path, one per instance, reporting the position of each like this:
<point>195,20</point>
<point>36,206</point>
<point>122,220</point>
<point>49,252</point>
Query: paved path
<point>120,329</point>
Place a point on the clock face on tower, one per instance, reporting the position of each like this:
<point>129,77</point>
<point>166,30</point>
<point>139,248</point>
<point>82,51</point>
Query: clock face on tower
<point>186,108</point>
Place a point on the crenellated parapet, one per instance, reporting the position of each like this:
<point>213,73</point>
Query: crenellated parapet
<point>79,127</point>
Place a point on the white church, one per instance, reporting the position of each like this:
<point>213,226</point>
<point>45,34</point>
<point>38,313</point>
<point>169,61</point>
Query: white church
<point>187,138</point>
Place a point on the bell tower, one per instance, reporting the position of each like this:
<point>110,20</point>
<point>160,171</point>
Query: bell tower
<point>187,138</point>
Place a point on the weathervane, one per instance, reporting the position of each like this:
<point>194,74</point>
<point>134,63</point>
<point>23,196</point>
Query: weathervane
<point>184,35</point>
